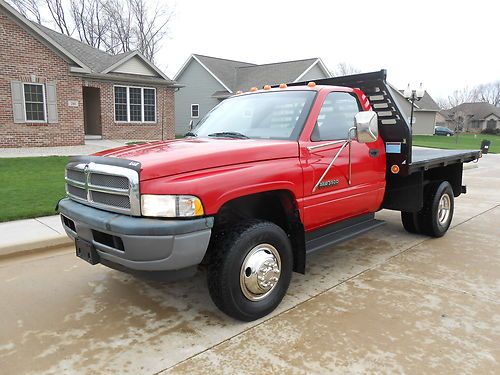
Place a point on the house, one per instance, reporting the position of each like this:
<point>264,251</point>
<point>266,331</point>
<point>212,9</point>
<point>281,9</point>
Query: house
<point>55,90</point>
<point>471,117</point>
<point>209,80</point>
<point>424,112</point>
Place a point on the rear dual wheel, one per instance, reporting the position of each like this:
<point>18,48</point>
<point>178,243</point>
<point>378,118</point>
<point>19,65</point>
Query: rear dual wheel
<point>435,217</point>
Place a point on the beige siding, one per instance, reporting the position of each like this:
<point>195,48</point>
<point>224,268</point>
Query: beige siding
<point>315,73</point>
<point>199,88</point>
<point>135,66</point>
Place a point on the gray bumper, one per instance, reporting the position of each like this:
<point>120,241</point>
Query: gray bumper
<point>138,243</point>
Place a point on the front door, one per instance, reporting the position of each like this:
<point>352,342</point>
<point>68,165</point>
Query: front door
<point>354,184</point>
<point>92,110</point>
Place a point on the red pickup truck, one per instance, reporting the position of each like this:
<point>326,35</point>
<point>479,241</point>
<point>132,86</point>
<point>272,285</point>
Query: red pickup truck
<point>266,178</point>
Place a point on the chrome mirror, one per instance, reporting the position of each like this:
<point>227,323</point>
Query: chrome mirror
<point>366,126</point>
<point>191,123</point>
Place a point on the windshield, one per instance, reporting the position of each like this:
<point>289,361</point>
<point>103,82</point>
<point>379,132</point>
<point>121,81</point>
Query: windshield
<point>266,115</point>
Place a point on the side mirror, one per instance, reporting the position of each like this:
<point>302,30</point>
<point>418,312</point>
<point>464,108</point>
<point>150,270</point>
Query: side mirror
<point>366,126</point>
<point>191,125</point>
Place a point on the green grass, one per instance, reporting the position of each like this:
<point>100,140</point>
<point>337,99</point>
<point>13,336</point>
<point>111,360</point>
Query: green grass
<point>462,141</point>
<point>30,187</point>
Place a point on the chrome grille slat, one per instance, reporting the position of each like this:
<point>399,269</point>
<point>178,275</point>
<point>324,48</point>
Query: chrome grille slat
<point>108,187</point>
<point>77,192</point>
<point>117,182</point>
<point>121,201</point>
<point>74,175</point>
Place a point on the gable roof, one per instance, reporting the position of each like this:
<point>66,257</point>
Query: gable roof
<point>82,57</point>
<point>238,75</point>
<point>476,111</point>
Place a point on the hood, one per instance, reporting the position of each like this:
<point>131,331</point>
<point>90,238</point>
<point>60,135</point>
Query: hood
<point>159,159</point>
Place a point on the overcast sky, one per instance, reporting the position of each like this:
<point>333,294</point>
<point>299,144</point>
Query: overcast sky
<point>444,44</point>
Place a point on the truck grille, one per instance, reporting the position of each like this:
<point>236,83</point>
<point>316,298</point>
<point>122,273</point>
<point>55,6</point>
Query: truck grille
<point>108,187</point>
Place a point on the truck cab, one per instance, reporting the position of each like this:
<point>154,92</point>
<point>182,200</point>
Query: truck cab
<point>266,178</point>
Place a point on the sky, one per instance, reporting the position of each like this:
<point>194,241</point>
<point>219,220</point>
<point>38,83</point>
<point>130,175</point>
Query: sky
<point>445,45</point>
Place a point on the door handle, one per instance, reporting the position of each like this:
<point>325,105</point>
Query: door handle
<point>374,152</point>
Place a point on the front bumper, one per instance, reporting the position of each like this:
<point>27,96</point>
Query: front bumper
<point>138,243</point>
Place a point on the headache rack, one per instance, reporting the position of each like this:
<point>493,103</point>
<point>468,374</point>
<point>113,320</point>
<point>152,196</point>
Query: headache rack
<point>393,126</point>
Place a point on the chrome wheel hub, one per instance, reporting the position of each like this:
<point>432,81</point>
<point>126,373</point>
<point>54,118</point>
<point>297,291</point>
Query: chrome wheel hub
<point>260,272</point>
<point>443,212</point>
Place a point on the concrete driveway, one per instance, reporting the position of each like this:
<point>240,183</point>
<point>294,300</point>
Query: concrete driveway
<point>385,302</point>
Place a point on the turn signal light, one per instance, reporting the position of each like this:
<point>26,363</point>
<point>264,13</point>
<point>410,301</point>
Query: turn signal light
<point>253,89</point>
<point>395,169</point>
<point>282,85</point>
<point>267,87</point>
<point>311,84</point>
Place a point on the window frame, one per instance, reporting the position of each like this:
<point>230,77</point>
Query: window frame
<point>128,121</point>
<point>198,109</point>
<point>360,109</point>
<point>44,121</point>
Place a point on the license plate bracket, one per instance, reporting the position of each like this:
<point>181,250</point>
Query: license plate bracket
<point>86,251</point>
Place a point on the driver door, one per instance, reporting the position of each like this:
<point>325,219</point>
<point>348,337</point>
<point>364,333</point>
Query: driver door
<point>347,189</point>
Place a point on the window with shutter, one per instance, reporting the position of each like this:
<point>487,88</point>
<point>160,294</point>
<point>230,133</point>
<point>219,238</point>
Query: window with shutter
<point>34,102</point>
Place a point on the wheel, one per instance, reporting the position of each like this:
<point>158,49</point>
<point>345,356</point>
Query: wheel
<point>437,213</point>
<point>249,270</point>
<point>410,222</point>
<point>448,135</point>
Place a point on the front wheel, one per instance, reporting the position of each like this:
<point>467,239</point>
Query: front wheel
<point>250,270</point>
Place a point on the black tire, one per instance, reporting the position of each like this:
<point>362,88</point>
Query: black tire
<point>225,265</point>
<point>429,221</point>
<point>410,222</point>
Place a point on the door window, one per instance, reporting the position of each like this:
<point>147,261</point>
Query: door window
<point>336,117</point>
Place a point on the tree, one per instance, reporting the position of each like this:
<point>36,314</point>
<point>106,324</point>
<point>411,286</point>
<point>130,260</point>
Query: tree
<point>489,93</point>
<point>344,69</point>
<point>115,26</point>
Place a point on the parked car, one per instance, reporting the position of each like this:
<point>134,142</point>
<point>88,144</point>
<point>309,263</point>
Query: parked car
<point>443,130</point>
<point>266,178</point>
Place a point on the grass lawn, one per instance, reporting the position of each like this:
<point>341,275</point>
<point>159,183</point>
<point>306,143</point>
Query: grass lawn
<point>464,141</point>
<point>30,187</point>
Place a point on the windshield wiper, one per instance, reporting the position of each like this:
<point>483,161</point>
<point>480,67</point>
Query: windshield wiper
<point>229,135</point>
<point>190,134</point>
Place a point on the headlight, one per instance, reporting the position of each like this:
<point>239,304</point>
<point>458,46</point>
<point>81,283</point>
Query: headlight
<point>171,205</point>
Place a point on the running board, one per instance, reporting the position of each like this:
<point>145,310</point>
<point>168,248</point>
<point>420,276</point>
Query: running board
<point>336,233</point>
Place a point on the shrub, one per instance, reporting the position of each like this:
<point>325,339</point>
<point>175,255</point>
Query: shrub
<point>491,131</point>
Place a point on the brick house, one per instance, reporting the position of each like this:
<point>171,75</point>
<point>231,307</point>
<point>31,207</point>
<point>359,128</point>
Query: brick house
<point>55,90</point>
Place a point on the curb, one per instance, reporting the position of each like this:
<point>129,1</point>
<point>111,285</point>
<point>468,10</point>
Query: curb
<point>30,247</point>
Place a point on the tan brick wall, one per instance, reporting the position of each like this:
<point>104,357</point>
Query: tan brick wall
<point>21,57</point>
<point>165,114</point>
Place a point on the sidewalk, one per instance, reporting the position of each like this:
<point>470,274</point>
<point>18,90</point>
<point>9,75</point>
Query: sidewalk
<point>91,146</point>
<point>31,234</point>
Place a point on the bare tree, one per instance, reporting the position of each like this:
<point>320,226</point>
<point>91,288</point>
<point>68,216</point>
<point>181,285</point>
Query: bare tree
<point>442,103</point>
<point>151,25</point>
<point>489,93</point>
<point>344,69</point>
<point>115,26</point>
<point>29,9</point>
<point>458,97</point>
<point>91,21</point>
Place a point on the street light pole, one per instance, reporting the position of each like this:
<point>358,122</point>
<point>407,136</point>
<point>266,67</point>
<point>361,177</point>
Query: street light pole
<point>412,96</point>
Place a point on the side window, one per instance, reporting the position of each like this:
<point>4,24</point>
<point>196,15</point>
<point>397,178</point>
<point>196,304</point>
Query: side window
<point>195,110</point>
<point>336,117</point>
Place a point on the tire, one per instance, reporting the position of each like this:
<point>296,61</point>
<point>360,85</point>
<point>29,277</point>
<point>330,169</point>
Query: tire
<point>410,222</point>
<point>230,282</point>
<point>437,213</point>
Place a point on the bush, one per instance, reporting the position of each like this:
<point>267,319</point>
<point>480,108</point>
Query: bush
<point>491,131</point>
